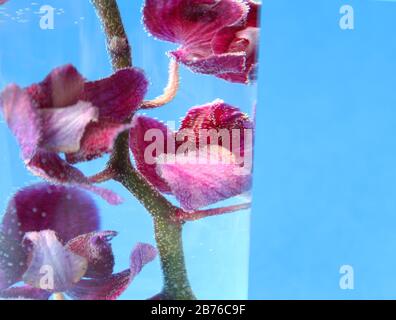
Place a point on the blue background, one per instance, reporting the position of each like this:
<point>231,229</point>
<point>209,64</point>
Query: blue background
<point>325,179</point>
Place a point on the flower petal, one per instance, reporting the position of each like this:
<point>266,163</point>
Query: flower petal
<point>96,248</point>
<point>117,96</point>
<point>191,22</point>
<point>52,267</point>
<point>63,128</point>
<point>253,16</point>
<point>112,287</point>
<point>68,211</point>
<point>12,260</point>
<point>21,117</point>
<point>198,181</point>
<point>53,168</point>
<point>238,40</point>
<point>194,24</point>
<point>25,293</point>
<point>212,64</point>
<point>140,128</point>
<point>61,88</point>
<point>98,139</point>
<point>220,116</point>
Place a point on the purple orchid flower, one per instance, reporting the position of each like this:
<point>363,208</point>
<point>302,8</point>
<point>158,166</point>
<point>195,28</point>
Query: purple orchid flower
<point>66,114</point>
<point>217,37</point>
<point>54,229</point>
<point>196,180</point>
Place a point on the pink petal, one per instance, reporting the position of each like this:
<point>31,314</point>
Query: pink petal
<point>96,248</point>
<point>118,96</point>
<point>3,1</point>
<point>25,293</point>
<point>200,181</point>
<point>53,168</point>
<point>61,88</point>
<point>63,128</point>
<point>12,259</point>
<point>68,211</point>
<point>138,145</point>
<point>98,139</point>
<point>112,287</point>
<point>191,22</point>
<point>20,115</point>
<point>50,259</point>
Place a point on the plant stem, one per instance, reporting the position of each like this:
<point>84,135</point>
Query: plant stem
<point>169,239</point>
<point>168,232</point>
<point>201,214</point>
<point>170,91</point>
<point>117,39</point>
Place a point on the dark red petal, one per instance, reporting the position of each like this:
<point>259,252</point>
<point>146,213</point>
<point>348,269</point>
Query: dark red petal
<point>118,96</point>
<point>52,267</point>
<point>112,287</point>
<point>61,88</point>
<point>145,164</point>
<point>96,248</point>
<point>218,116</point>
<point>25,293</point>
<point>191,22</point>
<point>68,211</point>
<point>12,259</point>
<point>98,139</point>
<point>22,118</point>
<point>53,168</point>
<point>253,16</point>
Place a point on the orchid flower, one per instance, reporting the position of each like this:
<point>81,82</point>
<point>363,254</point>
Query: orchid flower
<point>66,114</point>
<point>217,37</point>
<point>197,179</point>
<point>49,239</point>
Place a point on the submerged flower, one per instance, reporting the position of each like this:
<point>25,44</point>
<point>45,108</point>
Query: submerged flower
<point>217,37</point>
<point>205,161</point>
<point>49,240</point>
<point>66,114</point>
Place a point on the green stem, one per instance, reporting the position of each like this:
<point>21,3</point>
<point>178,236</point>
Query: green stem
<point>168,235</point>
<point>117,39</point>
<point>168,232</point>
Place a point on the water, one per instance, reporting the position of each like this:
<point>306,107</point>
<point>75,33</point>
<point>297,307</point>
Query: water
<point>217,248</point>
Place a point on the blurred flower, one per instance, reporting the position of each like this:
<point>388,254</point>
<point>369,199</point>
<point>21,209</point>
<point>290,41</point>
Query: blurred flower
<point>66,114</point>
<point>217,37</point>
<point>49,240</point>
<point>187,163</point>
